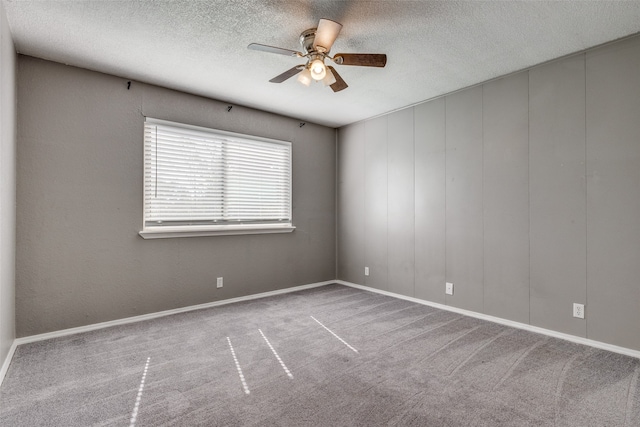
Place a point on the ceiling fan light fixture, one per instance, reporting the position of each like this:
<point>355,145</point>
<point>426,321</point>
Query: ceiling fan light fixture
<point>318,70</point>
<point>305,77</point>
<point>326,34</point>
<point>316,44</point>
<point>329,79</point>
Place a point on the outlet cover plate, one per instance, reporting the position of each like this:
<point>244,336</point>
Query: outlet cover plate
<point>366,271</point>
<point>448,288</point>
<point>578,310</point>
<point>219,282</point>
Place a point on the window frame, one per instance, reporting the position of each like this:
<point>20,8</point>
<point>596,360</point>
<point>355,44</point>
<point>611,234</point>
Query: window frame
<point>197,230</point>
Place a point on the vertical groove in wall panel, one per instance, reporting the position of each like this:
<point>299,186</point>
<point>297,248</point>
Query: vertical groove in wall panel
<point>430,178</point>
<point>613,195</point>
<point>529,183</point>
<point>401,203</point>
<point>506,201</point>
<point>375,202</point>
<point>557,204</point>
<point>464,245</point>
<point>351,203</point>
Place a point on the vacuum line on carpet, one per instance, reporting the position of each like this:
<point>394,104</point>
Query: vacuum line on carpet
<point>478,350</point>
<point>451,342</point>
<point>134,414</point>
<point>276,355</point>
<point>240,374</point>
<point>333,333</point>
<point>517,362</point>
<point>561,379</point>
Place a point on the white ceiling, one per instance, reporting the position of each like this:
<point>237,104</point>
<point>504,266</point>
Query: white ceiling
<point>433,47</point>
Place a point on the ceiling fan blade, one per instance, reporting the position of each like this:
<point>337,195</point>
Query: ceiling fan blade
<point>339,84</point>
<point>272,49</point>
<point>326,34</point>
<point>287,74</point>
<point>362,59</point>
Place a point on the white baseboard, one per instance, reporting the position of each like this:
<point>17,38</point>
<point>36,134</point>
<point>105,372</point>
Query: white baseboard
<point>7,361</point>
<point>96,326</point>
<point>134,319</point>
<point>526,327</point>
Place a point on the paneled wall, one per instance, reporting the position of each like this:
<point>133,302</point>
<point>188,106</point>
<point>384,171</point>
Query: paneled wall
<point>463,192</point>
<point>613,193</point>
<point>430,200</point>
<point>557,194</point>
<point>376,205</point>
<point>400,203</point>
<point>525,196</point>
<point>505,213</point>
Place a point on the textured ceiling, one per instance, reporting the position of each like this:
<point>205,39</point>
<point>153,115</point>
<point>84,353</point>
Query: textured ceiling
<point>201,46</point>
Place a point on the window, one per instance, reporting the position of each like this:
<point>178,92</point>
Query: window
<point>200,181</point>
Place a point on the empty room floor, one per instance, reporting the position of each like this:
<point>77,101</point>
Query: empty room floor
<point>327,356</point>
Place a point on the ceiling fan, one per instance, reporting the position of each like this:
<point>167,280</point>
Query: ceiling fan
<point>316,44</point>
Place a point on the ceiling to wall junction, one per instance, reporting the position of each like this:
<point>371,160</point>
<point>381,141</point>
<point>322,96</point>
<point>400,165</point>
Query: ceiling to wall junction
<point>200,47</point>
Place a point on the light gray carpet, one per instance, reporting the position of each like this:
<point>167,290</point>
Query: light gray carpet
<point>415,366</point>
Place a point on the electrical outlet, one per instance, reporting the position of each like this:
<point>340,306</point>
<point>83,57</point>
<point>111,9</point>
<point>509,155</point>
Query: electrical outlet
<point>448,288</point>
<point>366,271</point>
<point>219,282</point>
<point>578,310</point>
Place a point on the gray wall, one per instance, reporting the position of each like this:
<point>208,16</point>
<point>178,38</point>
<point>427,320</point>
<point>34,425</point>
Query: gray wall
<point>80,259</point>
<point>523,192</point>
<point>7,186</point>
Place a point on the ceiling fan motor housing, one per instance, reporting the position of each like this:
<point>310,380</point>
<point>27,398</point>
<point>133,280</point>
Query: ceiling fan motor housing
<point>306,40</point>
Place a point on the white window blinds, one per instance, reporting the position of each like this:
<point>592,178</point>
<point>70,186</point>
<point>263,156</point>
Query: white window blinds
<point>196,177</point>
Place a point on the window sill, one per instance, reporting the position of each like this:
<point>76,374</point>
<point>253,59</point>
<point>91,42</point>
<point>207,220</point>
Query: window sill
<point>191,231</point>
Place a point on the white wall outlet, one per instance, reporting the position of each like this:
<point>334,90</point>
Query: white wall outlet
<point>219,282</point>
<point>448,288</point>
<point>578,310</point>
<point>366,271</point>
